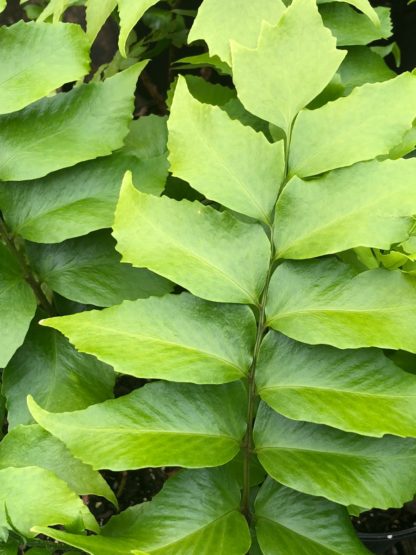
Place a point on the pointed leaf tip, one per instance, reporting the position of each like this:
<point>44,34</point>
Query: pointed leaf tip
<point>280,89</point>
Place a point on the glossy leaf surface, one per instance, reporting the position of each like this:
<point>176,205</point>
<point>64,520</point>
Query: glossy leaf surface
<point>77,200</point>
<point>176,337</point>
<point>201,426</point>
<point>213,254</point>
<point>355,390</point>
<point>35,496</point>
<point>293,523</point>
<point>346,468</point>
<point>322,301</point>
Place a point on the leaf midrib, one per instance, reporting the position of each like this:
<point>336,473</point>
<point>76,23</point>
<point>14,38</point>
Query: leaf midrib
<point>375,200</point>
<point>293,313</point>
<point>139,337</point>
<point>240,184</point>
<point>145,431</point>
<point>346,391</point>
<point>207,263</point>
<point>376,457</point>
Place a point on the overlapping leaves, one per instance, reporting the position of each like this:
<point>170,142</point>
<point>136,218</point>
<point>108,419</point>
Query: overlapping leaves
<point>329,394</point>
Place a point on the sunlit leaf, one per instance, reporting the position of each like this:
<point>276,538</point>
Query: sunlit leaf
<point>34,496</point>
<point>40,58</point>
<point>216,23</point>
<point>337,135</point>
<point>212,148</point>
<point>211,253</point>
<point>270,79</point>
<point>31,446</point>
<point>366,205</point>
<point>209,343</point>
<point>323,301</point>
<point>337,387</point>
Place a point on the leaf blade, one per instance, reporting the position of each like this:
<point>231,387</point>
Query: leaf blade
<point>191,245</point>
<point>336,136</point>
<point>290,522</point>
<point>130,13</point>
<point>217,25</point>
<point>336,387</point>
<point>209,344</point>
<point>335,307</point>
<point>277,95</point>
<point>253,167</point>
<point>345,468</point>
<point>190,432</point>
<point>17,299</point>
<point>58,132</point>
<point>60,378</point>
<point>35,496</point>
<point>31,446</point>
<point>369,204</point>
<point>40,58</point>
<point>174,522</point>
<point>77,200</point>
<point>88,270</point>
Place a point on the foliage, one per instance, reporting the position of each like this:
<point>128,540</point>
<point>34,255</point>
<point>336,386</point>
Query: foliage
<point>258,277</point>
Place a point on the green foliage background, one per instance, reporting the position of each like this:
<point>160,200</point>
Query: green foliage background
<point>209,270</point>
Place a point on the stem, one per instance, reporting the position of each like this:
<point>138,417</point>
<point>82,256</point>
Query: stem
<point>248,443</point>
<point>154,93</point>
<point>28,275</point>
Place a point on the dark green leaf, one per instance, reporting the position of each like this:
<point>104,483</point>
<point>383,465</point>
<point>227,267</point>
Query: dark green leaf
<point>17,305</point>
<point>55,374</point>
<point>88,270</point>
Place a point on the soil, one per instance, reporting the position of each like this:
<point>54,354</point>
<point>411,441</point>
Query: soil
<point>131,488</point>
<point>390,521</point>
